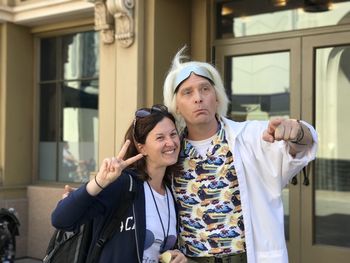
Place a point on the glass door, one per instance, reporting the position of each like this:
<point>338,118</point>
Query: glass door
<point>263,81</point>
<point>325,226</point>
<point>308,78</point>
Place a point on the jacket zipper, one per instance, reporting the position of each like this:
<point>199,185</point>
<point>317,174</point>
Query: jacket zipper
<point>137,242</point>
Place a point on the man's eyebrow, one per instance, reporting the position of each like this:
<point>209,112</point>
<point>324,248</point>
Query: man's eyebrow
<point>205,82</point>
<point>186,88</point>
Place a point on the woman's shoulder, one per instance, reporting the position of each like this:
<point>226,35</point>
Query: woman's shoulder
<point>126,173</point>
<point>129,178</point>
<point>127,181</point>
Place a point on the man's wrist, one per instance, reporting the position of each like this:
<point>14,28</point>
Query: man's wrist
<point>300,135</point>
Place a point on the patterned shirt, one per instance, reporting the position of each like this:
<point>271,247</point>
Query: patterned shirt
<point>208,197</point>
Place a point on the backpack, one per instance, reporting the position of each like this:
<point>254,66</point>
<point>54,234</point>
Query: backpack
<point>8,231</point>
<point>73,247</point>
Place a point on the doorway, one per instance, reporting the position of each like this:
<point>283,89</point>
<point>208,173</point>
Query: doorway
<point>302,77</point>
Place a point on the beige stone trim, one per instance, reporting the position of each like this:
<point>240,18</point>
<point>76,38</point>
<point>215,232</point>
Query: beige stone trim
<point>64,27</point>
<point>104,21</point>
<point>123,12</point>
<point>35,13</point>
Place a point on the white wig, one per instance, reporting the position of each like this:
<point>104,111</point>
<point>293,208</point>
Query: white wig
<point>171,84</point>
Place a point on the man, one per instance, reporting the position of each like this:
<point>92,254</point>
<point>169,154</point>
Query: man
<point>229,192</point>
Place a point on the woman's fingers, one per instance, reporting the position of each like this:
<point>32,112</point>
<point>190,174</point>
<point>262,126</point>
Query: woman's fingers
<point>123,150</point>
<point>67,190</point>
<point>119,162</point>
<point>176,257</point>
<point>133,159</point>
<point>105,165</point>
<point>111,168</point>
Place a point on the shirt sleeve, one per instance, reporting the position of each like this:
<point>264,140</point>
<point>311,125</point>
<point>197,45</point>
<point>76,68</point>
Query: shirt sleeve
<point>79,206</point>
<point>272,162</point>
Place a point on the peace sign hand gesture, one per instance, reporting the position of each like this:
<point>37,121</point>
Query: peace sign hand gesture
<point>110,170</point>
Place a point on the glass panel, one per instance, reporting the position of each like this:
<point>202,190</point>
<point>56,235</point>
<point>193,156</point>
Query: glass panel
<point>246,18</point>
<point>260,87</point>
<point>332,166</point>
<point>48,108</point>
<point>48,132</point>
<point>47,160</point>
<point>80,55</point>
<point>69,110</point>
<point>79,130</point>
<point>48,59</point>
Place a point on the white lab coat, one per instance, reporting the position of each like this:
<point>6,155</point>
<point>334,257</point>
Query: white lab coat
<point>263,169</point>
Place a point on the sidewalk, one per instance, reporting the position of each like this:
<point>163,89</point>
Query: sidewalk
<point>27,260</point>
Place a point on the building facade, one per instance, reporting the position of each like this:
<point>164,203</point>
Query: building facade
<point>73,72</point>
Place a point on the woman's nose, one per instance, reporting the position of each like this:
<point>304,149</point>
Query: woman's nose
<point>169,142</point>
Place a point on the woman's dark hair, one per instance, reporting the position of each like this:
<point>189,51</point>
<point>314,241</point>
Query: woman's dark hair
<point>138,132</point>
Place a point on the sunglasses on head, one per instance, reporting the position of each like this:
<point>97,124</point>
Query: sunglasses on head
<point>141,113</point>
<point>186,72</point>
<point>144,112</point>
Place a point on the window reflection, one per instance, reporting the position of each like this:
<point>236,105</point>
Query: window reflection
<point>76,164</point>
<point>259,86</point>
<point>80,127</point>
<point>246,18</point>
<point>68,107</point>
<point>48,55</point>
<point>80,55</point>
<point>332,166</point>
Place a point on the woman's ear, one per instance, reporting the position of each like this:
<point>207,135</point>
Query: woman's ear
<point>141,149</point>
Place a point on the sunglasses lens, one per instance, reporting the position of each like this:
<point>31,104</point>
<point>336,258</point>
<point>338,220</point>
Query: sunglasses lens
<point>142,113</point>
<point>159,107</point>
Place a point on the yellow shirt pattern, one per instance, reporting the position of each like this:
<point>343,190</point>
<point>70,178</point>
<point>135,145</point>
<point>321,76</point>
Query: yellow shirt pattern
<point>211,220</point>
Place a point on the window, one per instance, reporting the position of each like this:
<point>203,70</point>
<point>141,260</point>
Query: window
<point>255,17</point>
<point>68,91</point>
<point>258,86</point>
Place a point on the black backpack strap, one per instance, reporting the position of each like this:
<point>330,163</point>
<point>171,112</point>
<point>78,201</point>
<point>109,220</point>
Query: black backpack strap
<point>113,223</point>
<point>10,216</point>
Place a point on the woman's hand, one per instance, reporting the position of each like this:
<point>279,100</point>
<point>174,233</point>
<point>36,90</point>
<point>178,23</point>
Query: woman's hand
<point>173,256</point>
<point>67,190</point>
<point>110,170</point>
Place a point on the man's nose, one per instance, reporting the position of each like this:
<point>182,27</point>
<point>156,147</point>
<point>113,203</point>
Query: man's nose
<point>198,97</point>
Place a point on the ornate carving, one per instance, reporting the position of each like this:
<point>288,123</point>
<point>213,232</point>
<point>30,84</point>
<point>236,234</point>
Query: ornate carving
<point>103,21</point>
<point>123,12</point>
<point>121,27</point>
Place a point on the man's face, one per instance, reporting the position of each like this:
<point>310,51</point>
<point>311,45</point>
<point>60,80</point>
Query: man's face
<point>196,101</point>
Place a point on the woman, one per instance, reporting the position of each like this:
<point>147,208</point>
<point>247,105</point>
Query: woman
<point>150,155</point>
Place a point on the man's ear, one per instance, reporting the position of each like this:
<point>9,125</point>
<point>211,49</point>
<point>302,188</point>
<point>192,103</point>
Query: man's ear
<point>177,110</point>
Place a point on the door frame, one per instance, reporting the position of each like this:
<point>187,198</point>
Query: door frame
<point>293,46</point>
<point>302,46</point>
<point>311,252</point>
